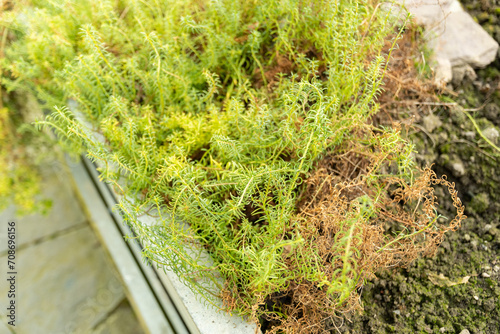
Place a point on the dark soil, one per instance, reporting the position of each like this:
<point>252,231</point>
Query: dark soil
<point>413,300</point>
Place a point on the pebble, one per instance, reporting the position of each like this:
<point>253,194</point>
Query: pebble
<point>492,110</point>
<point>443,136</point>
<point>492,134</point>
<point>476,298</point>
<point>470,135</point>
<point>496,268</point>
<point>465,331</point>
<point>432,122</point>
<point>467,237</point>
<point>486,275</point>
<point>458,168</point>
<point>487,227</point>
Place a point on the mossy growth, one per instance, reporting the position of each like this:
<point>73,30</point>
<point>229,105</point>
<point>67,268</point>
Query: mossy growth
<point>480,202</point>
<point>248,120</point>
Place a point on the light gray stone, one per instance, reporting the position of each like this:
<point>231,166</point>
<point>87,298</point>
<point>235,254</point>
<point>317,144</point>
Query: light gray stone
<point>492,134</point>
<point>430,12</point>
<point>121,321</point>
<point>458,42</point>
<point>431,122</point>
<point>470,135</point>
<point>465,331</point>
<point>458,168</point>
<point>463,41</point>
<point>65,285</point>
<point>461,72</point>
<point>443,72</point>
<point>65,212</point>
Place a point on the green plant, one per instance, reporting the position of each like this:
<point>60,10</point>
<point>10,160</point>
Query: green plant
<point>216,114</point>
<point>20,179</point>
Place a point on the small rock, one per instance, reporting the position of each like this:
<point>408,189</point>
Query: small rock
<point>478,84</point>
<point>443,136</point>
<point>492,111</point>
<point>430,12</point>
<point>476,298</point>
<point>474,243</point>
<point>485,88</point>
<point>496,268</point>
<point>465,331</point>
<point>463,41</point>
<point>442,71</point>
<point>458,168</point>
<point>467,237</point>
<point>431,122</point>
<point>492,134</point>
<point>470,135</point>
<point>465,180</point>
<point>485,275</point>
<point>487,227</point>
<point>461,72</point>
<point>489,304</point>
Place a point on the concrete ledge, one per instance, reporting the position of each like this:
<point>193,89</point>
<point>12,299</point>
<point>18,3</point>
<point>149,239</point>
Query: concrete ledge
<point>150,312</point>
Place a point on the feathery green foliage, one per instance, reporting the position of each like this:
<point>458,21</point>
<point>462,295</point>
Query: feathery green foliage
<point>212,113</point>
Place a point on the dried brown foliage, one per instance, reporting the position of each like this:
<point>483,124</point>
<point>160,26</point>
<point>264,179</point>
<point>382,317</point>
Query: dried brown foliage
<point>348,244</point>
<point>408,93</point>
<point>404,225</point>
